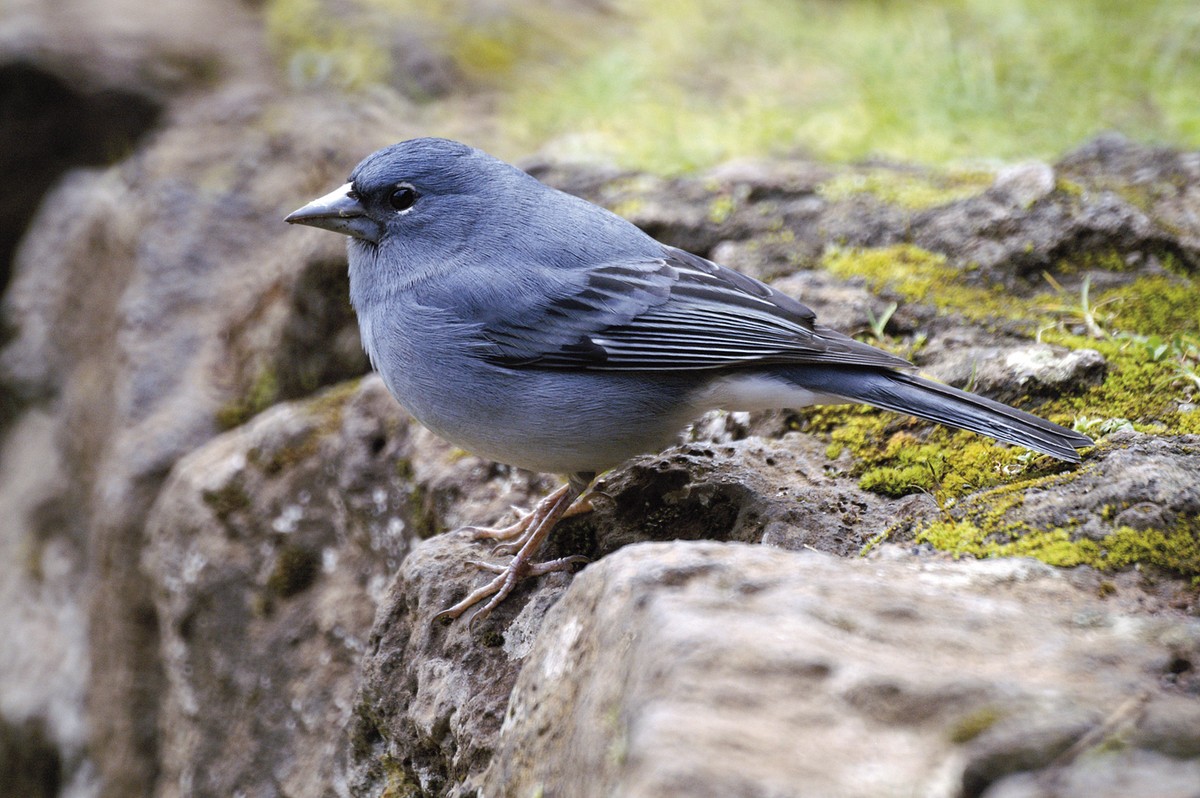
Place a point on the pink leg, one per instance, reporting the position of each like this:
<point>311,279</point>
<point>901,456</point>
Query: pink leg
<point>550,511</point>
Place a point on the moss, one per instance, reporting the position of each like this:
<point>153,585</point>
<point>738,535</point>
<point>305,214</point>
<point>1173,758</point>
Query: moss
<point>1152,345</point>
<point>398,784</point>
<point>907,189</point>
<point>296,568</point>
<point>1176,549</point>
<point>263,392</point>
<point>907,272</point>
<point>228,499</point>
<point>319,47</point>
<point>720,208</point>
<point>1148,332</point>
<point>975,723</point>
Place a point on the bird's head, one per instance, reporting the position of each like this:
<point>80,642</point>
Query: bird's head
<point>428,189</point>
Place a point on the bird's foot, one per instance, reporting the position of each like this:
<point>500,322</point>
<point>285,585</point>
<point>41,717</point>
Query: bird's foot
<point>507,578</point>
<point>536,527</point>
<point>511,547</point>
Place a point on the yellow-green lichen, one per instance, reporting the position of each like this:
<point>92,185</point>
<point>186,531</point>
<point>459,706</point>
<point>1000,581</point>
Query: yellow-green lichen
<point>263,392</point>
<point>1148,331</point>
<point>397,784</point>
<point>1176,549</point>
<point>720,208</point>
<point>975,723</point>
<point>906,189</point>
<point>918,275</point>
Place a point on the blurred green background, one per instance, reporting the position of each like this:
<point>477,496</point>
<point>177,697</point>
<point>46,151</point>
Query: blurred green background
<point>677,85</point>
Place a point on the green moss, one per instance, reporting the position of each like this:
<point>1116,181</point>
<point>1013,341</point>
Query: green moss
<point>975,723</point>
<point>1152,345</point>
<point>721,208</point>
<point>230,498</point>
<point>907,189</point>
<point>296,568</point>
<point>263,392</point>
<point>398,784</point>
<point>320,47</point>
<point>910,273</point>
<point>1149,334</point>
<point>1176,549</point>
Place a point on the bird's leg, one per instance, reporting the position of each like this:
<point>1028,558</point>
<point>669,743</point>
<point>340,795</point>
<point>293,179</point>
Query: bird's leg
<point>583,504</point>
<point>549,512</point>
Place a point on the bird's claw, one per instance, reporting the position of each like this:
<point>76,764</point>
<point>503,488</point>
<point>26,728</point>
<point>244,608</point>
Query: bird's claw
<point>507,578</point>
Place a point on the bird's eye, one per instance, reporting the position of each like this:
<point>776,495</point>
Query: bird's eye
<point>402,198</point>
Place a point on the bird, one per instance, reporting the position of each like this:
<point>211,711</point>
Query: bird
<point>531,327</point>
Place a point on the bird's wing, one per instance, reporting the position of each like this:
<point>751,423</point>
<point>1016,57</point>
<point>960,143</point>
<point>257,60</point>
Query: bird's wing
<point>675,313</point>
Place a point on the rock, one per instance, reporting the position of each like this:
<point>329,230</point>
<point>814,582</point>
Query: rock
<point>1137,774</point>
<point>1011,374</point>
<point>81,82</point>
<point>1135,481</point>
<point>722,669</point>
<point>1166,181</point>
<point>151,303</point>
<point>1025,183</point>
<point>270,550</point>
<point>430,706</point>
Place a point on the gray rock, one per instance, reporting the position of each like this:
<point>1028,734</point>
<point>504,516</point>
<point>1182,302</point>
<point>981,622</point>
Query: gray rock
<point>1025,183</point>
<point>148,302</point>
<point>720,669</point>
<point>1013,374</point>
<point>269,549</point>
<point>432,696</point>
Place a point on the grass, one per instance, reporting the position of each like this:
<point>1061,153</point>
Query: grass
<point>676,86</point>
<point>680,85</point>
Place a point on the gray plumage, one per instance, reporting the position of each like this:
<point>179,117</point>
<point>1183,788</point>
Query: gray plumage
<point>534,328</point>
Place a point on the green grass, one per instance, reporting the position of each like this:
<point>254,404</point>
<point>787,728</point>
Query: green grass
<point>679,85</point>
<point>676,85</point>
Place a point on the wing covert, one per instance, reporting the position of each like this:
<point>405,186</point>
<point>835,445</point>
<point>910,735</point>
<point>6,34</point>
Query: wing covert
<point>678,313</point>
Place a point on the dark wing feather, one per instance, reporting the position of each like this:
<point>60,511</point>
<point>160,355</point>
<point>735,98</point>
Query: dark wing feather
<point>678,313</point>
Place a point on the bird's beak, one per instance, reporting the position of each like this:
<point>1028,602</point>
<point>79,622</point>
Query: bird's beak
<point>339,211</point>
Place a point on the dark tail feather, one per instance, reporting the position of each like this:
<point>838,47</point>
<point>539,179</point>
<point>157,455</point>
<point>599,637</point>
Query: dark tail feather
<point>907,393</point>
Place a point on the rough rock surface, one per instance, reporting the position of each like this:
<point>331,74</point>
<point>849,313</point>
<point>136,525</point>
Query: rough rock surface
<point>432,695</point>
<point>1137,481</point>
<point>147,307</point>
<point>269,549</point>
<point>704,669</point>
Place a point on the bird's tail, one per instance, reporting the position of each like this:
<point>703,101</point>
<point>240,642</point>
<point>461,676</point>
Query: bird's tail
<point>903,392</point>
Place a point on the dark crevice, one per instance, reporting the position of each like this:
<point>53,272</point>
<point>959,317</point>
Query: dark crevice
<point>48,127</point>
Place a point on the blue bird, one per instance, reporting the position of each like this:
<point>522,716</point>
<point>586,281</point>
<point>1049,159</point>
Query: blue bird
<point>533,328</point>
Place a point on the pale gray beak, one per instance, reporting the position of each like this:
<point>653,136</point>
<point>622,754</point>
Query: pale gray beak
<point>340,212</point>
